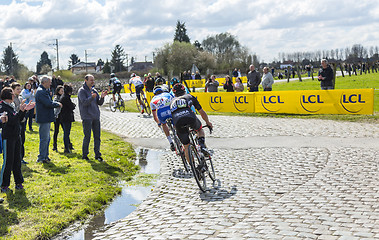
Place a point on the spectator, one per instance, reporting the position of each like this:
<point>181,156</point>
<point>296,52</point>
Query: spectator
<point>6,82</point>
<point>192,76</point>
<point>280,75</point>
<point>11,140</point>
<point>184,75</point>
<point>228,85</point>
<point>238,86</point>
<point>28,94</point>
<point>57,115</point>
<point>149,82</point>
<point>12,80</point>
<point>293,72</point>
<point>2,84</point>
<point>197,75</point>
<point>159,80</point>
<point>267,80</point>
<point>325,75</point>
<point>253,79</point>
<point>212,84</point>
<point>89,101</point>
<point>239,73</point>
<point>67,117</point>
<point>308,68</point>
<point>54,84</point>
<point>272,71</point>
<point>235,73</point>
<point>17,100</point>
<point>45,115</point>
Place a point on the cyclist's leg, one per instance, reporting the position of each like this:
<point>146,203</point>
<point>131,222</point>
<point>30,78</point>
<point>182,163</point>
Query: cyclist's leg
<point>200,135</point>
<point>183,135</point>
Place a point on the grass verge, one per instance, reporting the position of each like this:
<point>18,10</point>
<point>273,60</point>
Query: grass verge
<point>67,189</point>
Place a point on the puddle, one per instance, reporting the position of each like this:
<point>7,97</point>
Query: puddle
<point>122,205</point>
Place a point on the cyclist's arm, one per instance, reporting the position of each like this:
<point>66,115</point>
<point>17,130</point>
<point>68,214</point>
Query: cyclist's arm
<point>204,116</point>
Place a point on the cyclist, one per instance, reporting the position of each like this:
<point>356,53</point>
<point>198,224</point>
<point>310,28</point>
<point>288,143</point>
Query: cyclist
<point>160,107</point>
<point>117,86</point>
<point>138,84</point>
<point>183,116</point>
<point>174,81</point>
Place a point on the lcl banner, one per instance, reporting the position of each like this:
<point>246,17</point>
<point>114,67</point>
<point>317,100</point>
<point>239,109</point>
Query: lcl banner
<point>344,101</point>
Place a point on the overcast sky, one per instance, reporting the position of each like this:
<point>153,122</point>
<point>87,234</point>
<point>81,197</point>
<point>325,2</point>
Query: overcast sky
<point>266,27</point>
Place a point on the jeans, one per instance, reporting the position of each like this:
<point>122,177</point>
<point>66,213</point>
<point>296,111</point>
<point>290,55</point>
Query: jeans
<point>327,88</point>
<point>89,125</point>
<point>44,141</point>
<point>253,89</point>
<point>267,89</point>
<point>56,131</point>
<point>22,134</point>
<point>66,134</point>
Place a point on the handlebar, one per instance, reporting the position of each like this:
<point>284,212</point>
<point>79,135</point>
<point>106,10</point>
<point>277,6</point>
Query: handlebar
<point>209,127</point>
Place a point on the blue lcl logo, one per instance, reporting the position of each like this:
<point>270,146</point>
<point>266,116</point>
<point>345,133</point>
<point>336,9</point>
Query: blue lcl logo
<point>312,99</point>
<point>272,99</point>
<point>240,99</point>
<point>216,99</point>
<point>353,98</point>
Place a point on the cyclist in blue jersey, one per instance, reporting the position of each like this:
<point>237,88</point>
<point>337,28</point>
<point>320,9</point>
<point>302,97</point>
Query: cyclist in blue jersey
<point>117,86</point>
<point>138,84</point>
<point>160,107</point>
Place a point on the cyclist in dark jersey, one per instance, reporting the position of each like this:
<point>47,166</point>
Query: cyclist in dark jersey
<point>183,116</point>
<point>117,86</point>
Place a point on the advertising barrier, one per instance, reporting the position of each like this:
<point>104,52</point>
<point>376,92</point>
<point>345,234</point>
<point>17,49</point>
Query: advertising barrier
<point>344,101</point>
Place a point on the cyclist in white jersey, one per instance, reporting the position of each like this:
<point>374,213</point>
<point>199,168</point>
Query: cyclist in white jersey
<point>160,107</point>
<point>138,84</point>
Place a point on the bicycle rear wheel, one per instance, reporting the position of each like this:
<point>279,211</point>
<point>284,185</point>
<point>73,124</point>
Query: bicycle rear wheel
<point>147,106</point>
<point>121,105</point>
<point>195,162</point>
<point>111,105</point>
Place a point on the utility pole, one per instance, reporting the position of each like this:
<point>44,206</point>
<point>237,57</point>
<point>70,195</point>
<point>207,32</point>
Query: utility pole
<point>127,65</point>
<point>85,55</point>
<point>56,44</point>
<point>11,58</point>
<point>145,58</point>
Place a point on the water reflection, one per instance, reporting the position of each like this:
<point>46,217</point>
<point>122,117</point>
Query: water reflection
<point>123,204</point>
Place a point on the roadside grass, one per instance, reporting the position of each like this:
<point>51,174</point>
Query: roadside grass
<point>67,189</point>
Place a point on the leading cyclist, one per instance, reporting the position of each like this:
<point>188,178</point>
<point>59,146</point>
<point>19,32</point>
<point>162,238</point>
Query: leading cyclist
<point>183,116</point>
<point>160,106</point>
<point>117,86</point>
<point>138,84</point>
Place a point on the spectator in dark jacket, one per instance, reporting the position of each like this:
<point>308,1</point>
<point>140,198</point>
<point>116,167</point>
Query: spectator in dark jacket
<point>326,75</point>
<point>67,117</point>
<point>149,83</point>
<point>253,79</point>
<point>44,116</point>
<point>58,95</point>
<point>89,101</point>
<point>228,85</point>
<point>235,73</point>
<point>11,140</point>
<point>197,75</point>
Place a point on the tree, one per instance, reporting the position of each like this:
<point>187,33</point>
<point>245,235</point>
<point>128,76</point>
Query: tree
<point>107,67</point>
<point>43,61</point>
<point>45,69</point>
<point>100,62</point>
<point>198,46</point>
<point>74,59</point>
<point>118,58</point>
<point>10,61</point>
<point>181,32</point>
<point>23,72</point>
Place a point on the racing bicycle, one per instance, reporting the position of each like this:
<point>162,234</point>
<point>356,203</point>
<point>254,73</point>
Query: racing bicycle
<point>144,102</point>
<point>201,164</point>
<point>120,103</point>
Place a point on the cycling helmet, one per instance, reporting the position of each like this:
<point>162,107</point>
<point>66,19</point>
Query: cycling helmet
<point>157,90</point>
<point>174,81</point>
<point>178,89</point>
<point>133,75</point>
<point>164,88</point>
<point>113,75</point>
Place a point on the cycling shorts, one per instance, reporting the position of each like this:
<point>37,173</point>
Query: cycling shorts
<point>139,88</point>
<point>117,89</point>
<point>181,127</point>
<point>164,114</point>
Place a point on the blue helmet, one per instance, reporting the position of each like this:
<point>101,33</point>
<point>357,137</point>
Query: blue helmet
<point>157,90</point>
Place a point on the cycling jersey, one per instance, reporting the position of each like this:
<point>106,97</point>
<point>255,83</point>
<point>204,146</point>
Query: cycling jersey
<point>161,104</point>
<point>136,81</point>
<point>117,86</point>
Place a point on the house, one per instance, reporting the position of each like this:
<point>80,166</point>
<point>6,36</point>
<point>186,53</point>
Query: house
<point>286,64</point>
<point>141,66</point>
<point>82,67</point>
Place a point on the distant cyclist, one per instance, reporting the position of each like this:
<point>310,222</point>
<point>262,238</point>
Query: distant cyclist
<point>183,116</point>
<point>117,86</point>
<point>160,106</point>
<point>175,81</point>
<point>138,84</point>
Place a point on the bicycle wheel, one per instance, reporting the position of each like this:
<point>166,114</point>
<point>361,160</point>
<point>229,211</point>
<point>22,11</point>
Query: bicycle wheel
<point>147,106</point>
<point>121,105</point>
<point>138,106</point>
<point>210,168</point>
<point>111,105</point>
<point>198,174</point>
<point>180,151</point>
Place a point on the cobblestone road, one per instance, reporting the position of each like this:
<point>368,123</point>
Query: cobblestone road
<point>279,179</point>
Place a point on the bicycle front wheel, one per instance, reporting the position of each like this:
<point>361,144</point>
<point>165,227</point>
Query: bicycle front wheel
<point>210,168</point>
<point>195,162</point>
<point>138,105</point>
<point>180,150</point>
<point>111,105</point>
